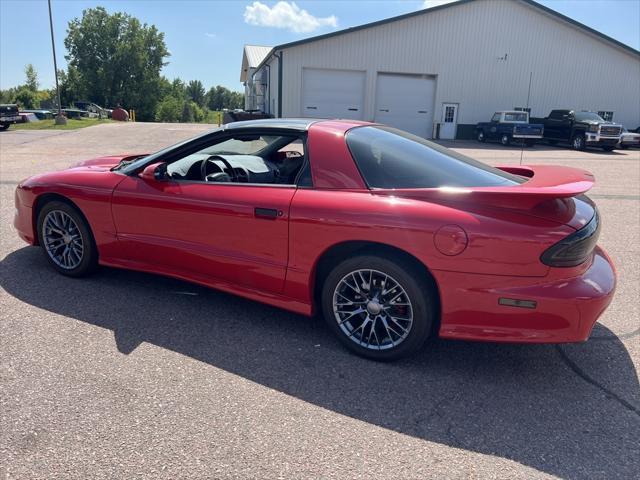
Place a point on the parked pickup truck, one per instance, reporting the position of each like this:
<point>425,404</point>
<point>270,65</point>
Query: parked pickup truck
<point>509,126</point>
<point>580,130</point>
<point>8,115</point>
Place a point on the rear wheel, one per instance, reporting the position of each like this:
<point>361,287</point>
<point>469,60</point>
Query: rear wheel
<point>481,137</point>
<point>578,141</point>
<point>66,239</point>
<point>379,308</point>
<point>505,139</point>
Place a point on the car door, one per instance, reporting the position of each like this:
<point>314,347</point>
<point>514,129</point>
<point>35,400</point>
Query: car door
<point>210,232</point>
<point>493,132</point>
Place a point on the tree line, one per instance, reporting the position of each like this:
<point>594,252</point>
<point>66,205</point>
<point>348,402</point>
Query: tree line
<point>115,60</point>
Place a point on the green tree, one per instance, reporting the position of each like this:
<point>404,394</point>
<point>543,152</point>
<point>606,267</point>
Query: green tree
<point>195,91</point>
<point>117,60</point>
<point>27,98</point>
<point>220,97</point>
<point>169,109</point>
<point>32,77</point>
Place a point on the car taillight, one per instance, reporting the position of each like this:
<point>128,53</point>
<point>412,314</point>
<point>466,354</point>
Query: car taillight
<point>574,249</point>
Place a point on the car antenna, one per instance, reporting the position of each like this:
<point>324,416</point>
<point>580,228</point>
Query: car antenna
<point>528,112</point>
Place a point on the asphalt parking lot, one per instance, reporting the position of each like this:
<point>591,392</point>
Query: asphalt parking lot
<point>128,375</point>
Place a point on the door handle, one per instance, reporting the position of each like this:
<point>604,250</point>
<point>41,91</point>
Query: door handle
<point>270,213</point>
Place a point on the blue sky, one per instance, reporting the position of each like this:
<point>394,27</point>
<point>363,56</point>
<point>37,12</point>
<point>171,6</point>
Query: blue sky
<point>206,37</point>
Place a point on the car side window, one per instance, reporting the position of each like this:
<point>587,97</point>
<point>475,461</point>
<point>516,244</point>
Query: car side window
<point>495,118</point>
<point>244,158</point>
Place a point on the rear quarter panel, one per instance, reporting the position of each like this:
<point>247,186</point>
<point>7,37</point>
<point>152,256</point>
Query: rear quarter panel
<point>499,242</point>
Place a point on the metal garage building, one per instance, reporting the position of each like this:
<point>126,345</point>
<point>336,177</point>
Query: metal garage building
<point>439,71</point>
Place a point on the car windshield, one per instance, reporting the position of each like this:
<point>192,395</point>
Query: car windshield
<point>131,166</point>
<point>391,158</point>
<point>588,116</point>
<point>515,117</point>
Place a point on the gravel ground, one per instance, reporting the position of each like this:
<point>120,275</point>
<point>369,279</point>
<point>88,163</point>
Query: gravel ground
<point>128,375</point>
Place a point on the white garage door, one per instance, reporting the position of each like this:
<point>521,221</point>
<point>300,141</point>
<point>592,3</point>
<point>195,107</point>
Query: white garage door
<point>406,102</point>
<point>332,93</point>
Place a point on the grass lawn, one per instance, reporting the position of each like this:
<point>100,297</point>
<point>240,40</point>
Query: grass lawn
<point>72,124</point>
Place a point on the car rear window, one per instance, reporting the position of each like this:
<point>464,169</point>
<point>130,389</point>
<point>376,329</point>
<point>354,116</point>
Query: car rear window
<point>391,158</point>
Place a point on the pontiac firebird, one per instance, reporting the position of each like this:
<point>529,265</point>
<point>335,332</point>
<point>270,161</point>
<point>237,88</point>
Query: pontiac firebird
<point>390,237</point>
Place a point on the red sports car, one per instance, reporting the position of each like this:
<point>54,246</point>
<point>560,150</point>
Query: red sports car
<point>391,237</point>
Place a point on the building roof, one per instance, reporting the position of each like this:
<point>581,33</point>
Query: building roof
<point>252,57</point>
<point>427,11</point>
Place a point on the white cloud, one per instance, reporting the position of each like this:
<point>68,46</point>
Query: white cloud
<point>435,3</point>
<point>286,15</point>
<point>210,35</point>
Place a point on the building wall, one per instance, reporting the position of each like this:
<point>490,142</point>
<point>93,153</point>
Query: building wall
<point>482,54</point>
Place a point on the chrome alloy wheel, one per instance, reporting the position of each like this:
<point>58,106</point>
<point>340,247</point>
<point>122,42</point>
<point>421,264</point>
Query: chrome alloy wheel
<point>62,239</point>
<point>372,309</point>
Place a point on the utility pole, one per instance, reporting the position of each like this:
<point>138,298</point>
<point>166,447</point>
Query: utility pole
<point>60,119</point>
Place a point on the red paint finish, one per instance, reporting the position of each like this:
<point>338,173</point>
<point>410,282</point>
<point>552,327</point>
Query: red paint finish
<point>479,244</point>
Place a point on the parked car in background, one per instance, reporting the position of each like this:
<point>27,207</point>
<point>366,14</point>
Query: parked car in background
<point>580,129</point>
<point>41,114</point>
<point>509,126</point>
<point>629,139</point>
<point>78,114</point>
<point>432,241</point>
<point>9,115</point>
<point>93,108</point>
<point>28,117</point>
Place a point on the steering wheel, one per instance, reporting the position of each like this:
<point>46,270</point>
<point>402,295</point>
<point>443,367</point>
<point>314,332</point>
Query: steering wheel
<point>203,168</point>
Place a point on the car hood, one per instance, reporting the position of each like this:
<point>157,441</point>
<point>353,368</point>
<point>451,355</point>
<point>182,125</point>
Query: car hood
<point>107,163</point>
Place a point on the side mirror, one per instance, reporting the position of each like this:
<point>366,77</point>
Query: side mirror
<point>156,172</point>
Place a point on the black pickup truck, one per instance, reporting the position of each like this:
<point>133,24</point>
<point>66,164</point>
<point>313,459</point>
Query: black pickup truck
<point>580,129</point>
<point>8,115</point>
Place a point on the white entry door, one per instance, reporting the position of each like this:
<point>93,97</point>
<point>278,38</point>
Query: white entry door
<point>332,93</point>
<point>405,102</point>
<point>449,121</point>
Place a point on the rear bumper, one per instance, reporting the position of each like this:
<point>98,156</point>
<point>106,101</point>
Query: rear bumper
<point>566,309</point>
<point>11,119</point>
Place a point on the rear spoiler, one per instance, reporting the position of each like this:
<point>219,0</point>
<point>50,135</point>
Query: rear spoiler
<point>545,182</point>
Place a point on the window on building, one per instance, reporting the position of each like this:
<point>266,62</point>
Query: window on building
<point>608,116</point>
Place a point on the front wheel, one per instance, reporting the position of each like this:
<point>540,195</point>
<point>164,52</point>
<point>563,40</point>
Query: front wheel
<point>66,239</point>
<point>505,140</point>
<point>3,126</point>
<point>578,142</point>
<point>379,308</point>
<point>608,148</point>
<point>481,137</point>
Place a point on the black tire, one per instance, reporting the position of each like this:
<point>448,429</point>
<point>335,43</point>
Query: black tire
<point>578,142</point>
<point>552,142</point>
<point>505,140</point>
<point>3,126</point>
<point>480,136</point>
<point>89,258</point>
<point>422,301</point>
<point>608,148</point>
